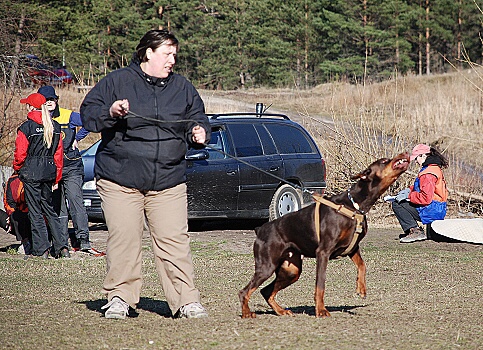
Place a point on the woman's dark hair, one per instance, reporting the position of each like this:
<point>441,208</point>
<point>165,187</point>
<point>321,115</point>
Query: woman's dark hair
<point>154,39</point>
<point>434,152</point>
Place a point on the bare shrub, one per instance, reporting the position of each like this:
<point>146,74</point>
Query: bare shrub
<point>356,124</point>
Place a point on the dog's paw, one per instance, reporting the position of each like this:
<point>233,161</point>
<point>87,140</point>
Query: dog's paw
<point>248,315</point>
<point>361,293</point>
<point>322,313</point>
<point>285,312</point>
<point>361,290</point>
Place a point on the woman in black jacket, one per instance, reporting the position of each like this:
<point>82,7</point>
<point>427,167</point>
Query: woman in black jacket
<point>147,116</point>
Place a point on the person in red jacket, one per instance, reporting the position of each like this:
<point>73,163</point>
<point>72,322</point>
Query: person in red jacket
<point>38,159</point>
<point>16,212</point>
<point>425,201</point>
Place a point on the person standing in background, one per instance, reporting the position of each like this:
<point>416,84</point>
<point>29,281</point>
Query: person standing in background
<point>38,160</point>
<point>68,198</point>
<point>17,212</point>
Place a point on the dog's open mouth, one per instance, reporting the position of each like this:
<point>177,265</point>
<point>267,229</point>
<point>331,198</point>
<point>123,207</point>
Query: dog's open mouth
<point>402,164</point>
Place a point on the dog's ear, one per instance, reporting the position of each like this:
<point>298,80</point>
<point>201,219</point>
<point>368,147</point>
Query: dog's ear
<point>363,175</point>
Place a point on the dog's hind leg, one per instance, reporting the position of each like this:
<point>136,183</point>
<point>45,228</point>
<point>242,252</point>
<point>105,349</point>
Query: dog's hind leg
<point>286,274</point>
<point>361,273</point>
<point>264,268</point>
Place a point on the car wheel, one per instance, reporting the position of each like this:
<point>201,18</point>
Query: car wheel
<point>285,200</point>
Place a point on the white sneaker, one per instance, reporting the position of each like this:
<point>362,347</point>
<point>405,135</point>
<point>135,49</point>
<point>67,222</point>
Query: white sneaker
<point>116,309</point>
<point>192,310</point>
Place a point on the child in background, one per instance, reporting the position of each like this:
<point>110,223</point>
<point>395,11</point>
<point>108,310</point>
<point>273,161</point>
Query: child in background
<point>16,211</point>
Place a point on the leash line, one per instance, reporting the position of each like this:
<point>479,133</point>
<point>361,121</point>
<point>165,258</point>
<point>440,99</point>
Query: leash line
<point>134,115</point>
<point>257,168</point>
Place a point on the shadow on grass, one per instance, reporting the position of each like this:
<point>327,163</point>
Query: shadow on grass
<point>224,224</point>
<point>147,304</point>
<point>310,310</point>
<point>9,247</point>
<point>204,225</point>
<point>97,226</point>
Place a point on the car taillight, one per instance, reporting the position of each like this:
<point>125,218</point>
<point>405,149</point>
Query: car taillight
<point>323,167</point>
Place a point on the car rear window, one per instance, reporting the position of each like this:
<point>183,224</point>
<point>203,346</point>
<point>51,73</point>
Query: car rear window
<point>289,139</point>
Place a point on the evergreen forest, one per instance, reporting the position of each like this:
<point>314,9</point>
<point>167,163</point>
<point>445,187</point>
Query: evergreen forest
<point>236,44</point>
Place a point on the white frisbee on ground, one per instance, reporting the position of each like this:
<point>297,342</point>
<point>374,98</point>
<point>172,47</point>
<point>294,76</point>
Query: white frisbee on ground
<point>465,230</point>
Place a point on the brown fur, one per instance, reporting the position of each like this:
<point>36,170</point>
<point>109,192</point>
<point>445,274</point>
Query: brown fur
<point>281,244</point>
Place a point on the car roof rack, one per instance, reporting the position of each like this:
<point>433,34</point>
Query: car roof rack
<point>247,115</point>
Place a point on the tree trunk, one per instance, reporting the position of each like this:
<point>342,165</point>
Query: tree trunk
<point>18,42</point>
<point>240,50</point>
<point>366,40</point>
<point>458,35</point>
<point>306,67</point>
<point>428,56</point>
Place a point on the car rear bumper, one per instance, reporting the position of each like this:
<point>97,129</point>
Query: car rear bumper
<point>92,203</point>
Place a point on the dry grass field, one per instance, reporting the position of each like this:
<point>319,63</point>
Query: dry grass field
<point>425,295</point>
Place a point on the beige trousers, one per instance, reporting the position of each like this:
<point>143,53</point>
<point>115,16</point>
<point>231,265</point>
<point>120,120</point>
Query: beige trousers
<point>166,213</point>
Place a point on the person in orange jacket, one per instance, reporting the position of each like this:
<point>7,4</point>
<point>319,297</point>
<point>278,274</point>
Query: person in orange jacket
<point>425,201</point>
<point>38,159</point>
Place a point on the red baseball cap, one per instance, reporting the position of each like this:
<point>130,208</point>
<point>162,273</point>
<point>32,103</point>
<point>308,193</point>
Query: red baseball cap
<point>36,100</point>
<point>418,150</point>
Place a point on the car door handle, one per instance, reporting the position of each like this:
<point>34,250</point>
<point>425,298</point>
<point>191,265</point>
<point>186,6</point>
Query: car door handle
<point>231,172</point>
<point>274,168</point>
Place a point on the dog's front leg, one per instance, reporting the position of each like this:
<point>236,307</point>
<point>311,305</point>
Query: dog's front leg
<point>244,296</point>
<point>361,273</point>
<point>322,261</point>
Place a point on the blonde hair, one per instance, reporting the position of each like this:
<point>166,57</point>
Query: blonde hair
<point>48,126</point>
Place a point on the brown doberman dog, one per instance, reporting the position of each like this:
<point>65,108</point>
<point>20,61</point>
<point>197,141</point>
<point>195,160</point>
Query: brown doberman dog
<point>324,232</point>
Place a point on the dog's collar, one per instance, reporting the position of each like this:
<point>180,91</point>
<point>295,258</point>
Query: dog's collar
<point>356,206</point>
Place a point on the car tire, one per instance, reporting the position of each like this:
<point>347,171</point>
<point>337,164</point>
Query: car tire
<point>285,200</point>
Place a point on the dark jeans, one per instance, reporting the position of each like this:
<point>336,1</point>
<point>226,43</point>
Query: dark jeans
<point>406,214</point>
<point>20,224</point>
<point>68,200</point>
<point>3,219</point>
<point>38,196</point>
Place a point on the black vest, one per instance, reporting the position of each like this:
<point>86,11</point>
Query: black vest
<point>39,164</point>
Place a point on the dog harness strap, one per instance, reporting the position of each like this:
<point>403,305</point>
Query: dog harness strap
<point>344,211</point>
<point>317,219</point>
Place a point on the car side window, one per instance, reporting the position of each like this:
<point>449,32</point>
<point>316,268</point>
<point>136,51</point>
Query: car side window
<point>246,140</point>
<point>267,142</point>
<point>217,143</point>
<point>289,139</point>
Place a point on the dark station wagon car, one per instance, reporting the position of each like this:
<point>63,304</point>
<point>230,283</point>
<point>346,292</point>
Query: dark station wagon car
<point>223,179</point>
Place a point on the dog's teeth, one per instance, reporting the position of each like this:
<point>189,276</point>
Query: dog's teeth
<point>290,254</point>
<point>301,257</point>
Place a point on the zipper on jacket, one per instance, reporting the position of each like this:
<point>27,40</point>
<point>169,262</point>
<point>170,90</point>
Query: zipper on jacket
<point>157,134</point>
